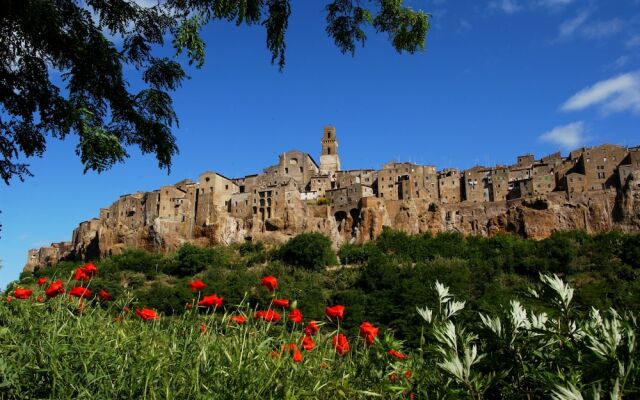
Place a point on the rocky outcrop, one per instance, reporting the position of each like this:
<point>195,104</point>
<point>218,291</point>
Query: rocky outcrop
<point>535,218</point>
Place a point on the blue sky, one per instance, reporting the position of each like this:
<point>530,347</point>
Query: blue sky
<point>497,79</point>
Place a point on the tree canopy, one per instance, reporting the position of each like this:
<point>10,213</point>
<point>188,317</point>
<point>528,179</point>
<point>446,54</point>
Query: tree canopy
<point>93,99</point>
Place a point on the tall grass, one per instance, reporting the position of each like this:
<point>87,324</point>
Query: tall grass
<point>58,350</point>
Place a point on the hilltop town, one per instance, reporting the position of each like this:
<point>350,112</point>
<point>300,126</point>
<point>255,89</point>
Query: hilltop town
<point>594,188</point>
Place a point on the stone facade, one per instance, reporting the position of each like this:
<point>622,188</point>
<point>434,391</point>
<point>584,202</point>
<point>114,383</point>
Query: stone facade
<point>296,195</point>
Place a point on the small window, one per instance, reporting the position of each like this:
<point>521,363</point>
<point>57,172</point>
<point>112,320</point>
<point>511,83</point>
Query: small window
<point>207,179</point>
<point>226,187</point>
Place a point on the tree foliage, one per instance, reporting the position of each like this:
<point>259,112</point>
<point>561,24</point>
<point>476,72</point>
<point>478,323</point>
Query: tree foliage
<point>61,71</point>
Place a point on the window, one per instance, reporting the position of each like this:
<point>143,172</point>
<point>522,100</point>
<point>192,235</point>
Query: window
<point>286,170</point>
<point>226,187</point>
<point>207,179</point>
<point>300,169</point>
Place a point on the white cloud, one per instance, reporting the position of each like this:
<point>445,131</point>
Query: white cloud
<point>508,6</point>
<point>554,3</point>
<point>569,27</point>
<point>566,136</point>
<point>514,6</point>
<point>634,41</point>
<point>617,94</point>
<point>602,29</point>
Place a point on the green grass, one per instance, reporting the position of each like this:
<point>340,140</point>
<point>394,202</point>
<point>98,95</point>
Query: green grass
<point>52,350</point>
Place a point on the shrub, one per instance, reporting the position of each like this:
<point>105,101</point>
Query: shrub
<point>308,250</point>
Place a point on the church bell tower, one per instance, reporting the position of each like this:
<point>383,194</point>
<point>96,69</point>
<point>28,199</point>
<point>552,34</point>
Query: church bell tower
<point>329,159</point>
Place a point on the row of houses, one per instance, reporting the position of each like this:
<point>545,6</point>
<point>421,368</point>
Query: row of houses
<point>297,180</point>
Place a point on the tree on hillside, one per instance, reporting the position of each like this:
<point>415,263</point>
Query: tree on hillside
<point>75,39</point>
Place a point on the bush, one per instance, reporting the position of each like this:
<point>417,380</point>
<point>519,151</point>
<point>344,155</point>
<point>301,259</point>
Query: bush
<point>308,250</point>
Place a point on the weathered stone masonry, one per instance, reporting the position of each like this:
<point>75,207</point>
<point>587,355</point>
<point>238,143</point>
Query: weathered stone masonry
<point>595,189</point>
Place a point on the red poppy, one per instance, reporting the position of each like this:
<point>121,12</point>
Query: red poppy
<point>311,329</point>
<point>22,294</point>
<point>307,343</point>
<point>292,347</point>
<point>104,295</point>
<point>80,275</point>
<point>203,328</point>
<point>397,354</point>
<point>42,280</point>
<point>118,319</point>
<point>334,313</point>
<point>9,298</point>
<point>197,285</point>
<point>274,354</point>
<point>269,315</point>
<point>211,301</point>
<point>296,316</point>
<point>80,291</point>
<point>282,303</point>
<point>188,306</point>
<point>54,289</point>
<point>368,332</point>
<point>126,310</point>
<point>270,282</point>
<point>147,314</point>
<point>297,356</point>
<point>393,377</point>
<point>40,299</point>
<point>408,374</point>
<point>341,344</point>
<point>238,319</point>
<point>90,269</point>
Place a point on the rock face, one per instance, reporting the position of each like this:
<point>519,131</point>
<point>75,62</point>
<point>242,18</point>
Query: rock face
<point>536,218</point>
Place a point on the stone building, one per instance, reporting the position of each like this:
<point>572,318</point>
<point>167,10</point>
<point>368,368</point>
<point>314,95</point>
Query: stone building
<point>449,186</point>
<point>477,185</point>
<point>329,159</point>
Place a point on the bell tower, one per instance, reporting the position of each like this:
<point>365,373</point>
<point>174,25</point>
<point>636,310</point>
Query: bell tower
<point>329,159</point>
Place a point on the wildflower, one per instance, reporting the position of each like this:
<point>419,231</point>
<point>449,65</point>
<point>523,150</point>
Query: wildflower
<point>118,319</point>
<point>9,299</point>
<point>80,291</point>
<point>307,343</point>
<point>296,316</point>
<point>90,269</point>
<point>397,354</point>
<point>341,344</point>
<point>270,282</point>
<point>408,374</point>
<point>368,332</point>
<point>393,377</point>
<point>269,315</point>
<point>211,301</point>
<point>22,294</point>
<point>126,310</point>
<point>147,314</point>
<point>297,356</point>
<point>80,275</point>
<point>203,328</point>
<point>335,313</point>
<point>311,329</point>
<point>104,295</point>
<point>282,303</point>
<point>42,280</point>
<point>40,299</point>
<point>238,319</point>
<point>54,289</point>
<point>197,285</point>
<point>188,306</point>
<point>274,354</point>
